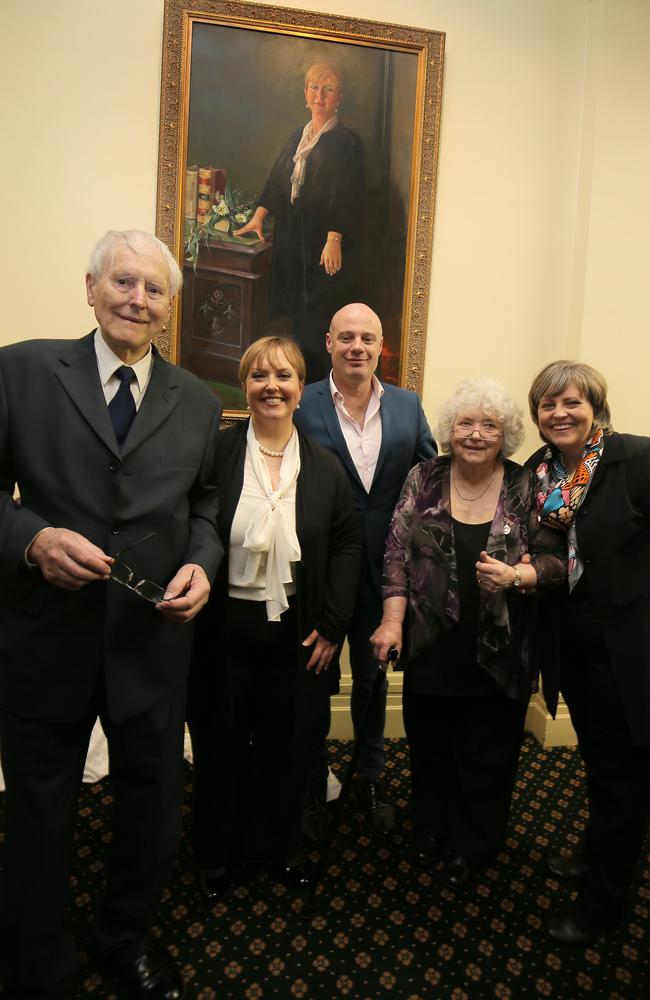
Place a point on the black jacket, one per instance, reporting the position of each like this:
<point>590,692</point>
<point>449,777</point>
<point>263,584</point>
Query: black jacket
<point>613,532</point>
<point>326,576</point>
<point>57,444</point>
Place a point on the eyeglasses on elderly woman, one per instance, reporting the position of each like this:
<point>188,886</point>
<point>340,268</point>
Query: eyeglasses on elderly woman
<point>487,429</point>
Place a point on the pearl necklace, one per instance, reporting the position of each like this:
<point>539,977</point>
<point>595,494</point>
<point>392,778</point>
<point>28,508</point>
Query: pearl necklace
<point>479,495</point>
<point>271,454</point>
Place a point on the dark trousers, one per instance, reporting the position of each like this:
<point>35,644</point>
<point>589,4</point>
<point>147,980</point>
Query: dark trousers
<point>250,768</point>
<point>464,754</point>
<point>43,768</point>
<point>618,773</point>
<point>364,669</point>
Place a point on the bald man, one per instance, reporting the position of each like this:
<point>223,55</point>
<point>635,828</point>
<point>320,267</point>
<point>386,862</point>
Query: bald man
<point>378,432</point>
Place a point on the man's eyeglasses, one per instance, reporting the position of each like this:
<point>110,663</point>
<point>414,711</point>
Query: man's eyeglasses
<point>124,575</point>
<point>486,429</point>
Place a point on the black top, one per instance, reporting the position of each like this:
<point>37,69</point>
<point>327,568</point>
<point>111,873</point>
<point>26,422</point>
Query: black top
<point>449,667</point>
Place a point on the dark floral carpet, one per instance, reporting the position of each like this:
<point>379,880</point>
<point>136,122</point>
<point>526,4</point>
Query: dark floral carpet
<point>383,928</point>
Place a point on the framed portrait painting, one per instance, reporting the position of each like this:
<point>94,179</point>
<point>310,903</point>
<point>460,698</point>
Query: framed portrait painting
<point>296,174</point>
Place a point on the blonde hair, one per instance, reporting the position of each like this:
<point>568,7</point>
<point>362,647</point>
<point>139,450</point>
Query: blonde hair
<point>485,394</point>
<point>269,348</point>
<point>557,376</point>
<point>321,69</point>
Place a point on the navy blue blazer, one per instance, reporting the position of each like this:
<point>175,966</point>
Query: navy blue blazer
<point>405,440</point>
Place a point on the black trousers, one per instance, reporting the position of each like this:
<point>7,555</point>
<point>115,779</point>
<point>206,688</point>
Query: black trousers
<point>618,772</point>
<point>250,764</point>
<point>464,754</point>
<point>364,669</point>
<point>43,767</point>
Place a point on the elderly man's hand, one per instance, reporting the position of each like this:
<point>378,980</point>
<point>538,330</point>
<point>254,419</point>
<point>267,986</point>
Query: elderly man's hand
<point>185,594</point>
<point>67,559</point>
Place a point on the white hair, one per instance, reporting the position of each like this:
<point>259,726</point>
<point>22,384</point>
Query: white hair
<point>134,240</point>
<point>488,395</point>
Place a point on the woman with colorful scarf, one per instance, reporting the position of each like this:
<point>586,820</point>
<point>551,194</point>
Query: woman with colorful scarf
<point>595,485</point>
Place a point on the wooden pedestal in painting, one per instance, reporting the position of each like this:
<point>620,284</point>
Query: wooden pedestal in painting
<point>224,308</point>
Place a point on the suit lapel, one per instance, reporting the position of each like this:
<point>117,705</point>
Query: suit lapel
<point>79,375</point>
<point>160,400</point>
<point>331,421</point>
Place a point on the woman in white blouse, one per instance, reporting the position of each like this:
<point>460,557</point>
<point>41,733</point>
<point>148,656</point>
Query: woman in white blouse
<point>279,610</point>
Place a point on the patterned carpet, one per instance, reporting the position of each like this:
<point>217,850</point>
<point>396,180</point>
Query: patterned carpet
<point>381,927</point>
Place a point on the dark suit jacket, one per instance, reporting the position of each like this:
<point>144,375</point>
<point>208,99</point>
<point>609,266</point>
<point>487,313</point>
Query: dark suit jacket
<point>405,441</point>
<point>326,576</point>
<point>613,531</point>
<point>57,444</point>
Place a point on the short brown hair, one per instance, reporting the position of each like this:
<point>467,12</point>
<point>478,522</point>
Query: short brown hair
<point>555,378</point>
<point>270,347</point>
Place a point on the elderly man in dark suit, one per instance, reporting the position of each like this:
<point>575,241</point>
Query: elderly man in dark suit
<point>378,432</point>
<point>110,448</point>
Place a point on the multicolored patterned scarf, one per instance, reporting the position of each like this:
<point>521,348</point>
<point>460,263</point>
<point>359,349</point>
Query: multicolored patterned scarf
<point>560,495</point>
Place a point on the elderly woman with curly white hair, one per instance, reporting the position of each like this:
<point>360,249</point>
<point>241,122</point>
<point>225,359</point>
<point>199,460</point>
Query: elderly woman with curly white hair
<point>453,570</point>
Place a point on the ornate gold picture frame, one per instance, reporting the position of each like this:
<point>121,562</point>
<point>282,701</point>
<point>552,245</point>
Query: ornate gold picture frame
<point>234,98</point>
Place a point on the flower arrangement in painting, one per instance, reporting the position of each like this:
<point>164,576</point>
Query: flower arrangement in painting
<point>230,211</point>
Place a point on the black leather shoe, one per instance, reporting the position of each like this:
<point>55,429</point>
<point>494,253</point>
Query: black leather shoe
<point>295,876</point>
<point>153,975</point>
<point>378,810</point>
<point>213,884</point>
<point>427,850</point>
<point>315,819</point>
<point>567,866</point>
<point>565,929</point>
<point>458,873</point>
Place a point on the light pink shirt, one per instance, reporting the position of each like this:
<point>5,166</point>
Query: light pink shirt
<point>363,442</point>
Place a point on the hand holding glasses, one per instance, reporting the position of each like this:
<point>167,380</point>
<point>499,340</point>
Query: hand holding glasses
<point>126,577</point>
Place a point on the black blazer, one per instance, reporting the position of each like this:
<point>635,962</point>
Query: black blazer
<point>405,440</point>
<point>57,444</point>
<point>613,532</point>
<point>326,576</point>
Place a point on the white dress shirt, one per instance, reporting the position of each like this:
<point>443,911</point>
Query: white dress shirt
<point>108,363</point>
<point>363,442</point>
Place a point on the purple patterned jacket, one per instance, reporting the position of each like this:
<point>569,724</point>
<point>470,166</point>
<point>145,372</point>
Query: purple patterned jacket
<point>420,564</point>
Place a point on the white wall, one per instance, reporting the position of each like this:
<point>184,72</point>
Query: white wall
<point>542,220</point>
<point>614,329</point>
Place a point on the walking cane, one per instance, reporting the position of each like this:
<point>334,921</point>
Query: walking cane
<point>346,785</point>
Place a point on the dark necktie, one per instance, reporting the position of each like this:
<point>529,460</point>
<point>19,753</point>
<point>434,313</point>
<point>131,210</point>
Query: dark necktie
<point>122,405</point>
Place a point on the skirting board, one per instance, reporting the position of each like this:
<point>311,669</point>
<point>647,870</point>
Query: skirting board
<point>557,732</point>
<point>549,732</point>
